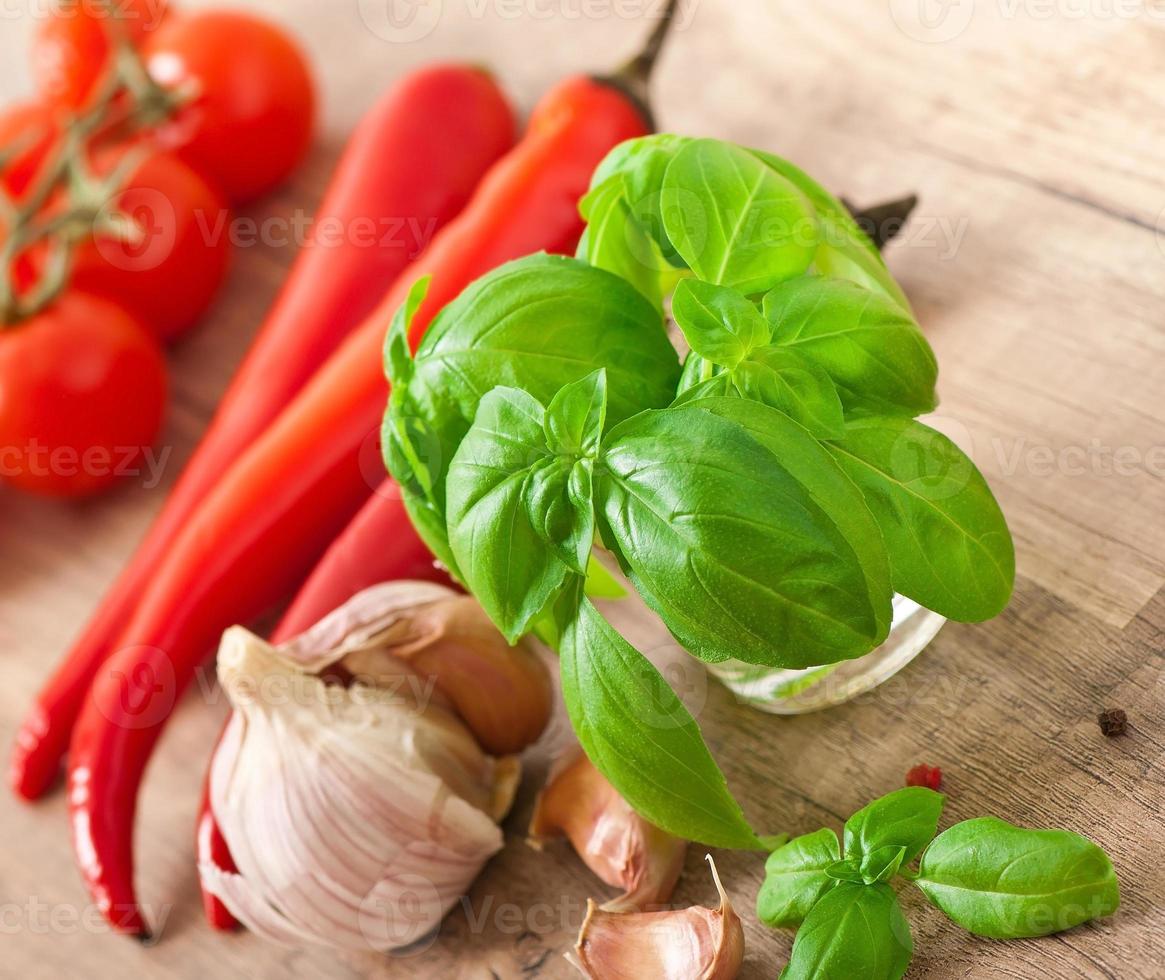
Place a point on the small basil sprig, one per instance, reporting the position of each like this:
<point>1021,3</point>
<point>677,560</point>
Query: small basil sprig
<point>990,877</point>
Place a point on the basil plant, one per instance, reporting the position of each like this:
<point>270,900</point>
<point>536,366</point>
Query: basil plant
<point>766,494</point>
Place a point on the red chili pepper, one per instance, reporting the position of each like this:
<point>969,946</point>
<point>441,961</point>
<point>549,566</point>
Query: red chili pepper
<point>378,545</point>
<point>396,176</point>
<point>277,509</point>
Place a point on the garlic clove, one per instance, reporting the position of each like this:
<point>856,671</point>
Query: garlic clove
<point>690,944</point>
<point>503,693</point>
<point>614,841</point>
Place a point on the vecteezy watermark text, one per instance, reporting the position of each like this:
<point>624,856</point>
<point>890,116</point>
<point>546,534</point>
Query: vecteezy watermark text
<point>940,21</point>
<point>39,460</point>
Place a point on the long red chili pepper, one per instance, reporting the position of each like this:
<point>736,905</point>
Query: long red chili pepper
<point>378,545</point>
<point>293,491</point>
<point>397,181</point>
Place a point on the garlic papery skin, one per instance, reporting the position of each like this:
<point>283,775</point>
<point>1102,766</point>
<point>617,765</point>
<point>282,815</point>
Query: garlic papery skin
<point>357,814</point>
<point>689,944</point>
<point>614,841</point>
<point>503,694</point>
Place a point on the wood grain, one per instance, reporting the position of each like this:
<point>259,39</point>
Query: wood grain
<point>1037,144</point>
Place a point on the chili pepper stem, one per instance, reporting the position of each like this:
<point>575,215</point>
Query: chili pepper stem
<point>632,78</point>
<point>882,222</point>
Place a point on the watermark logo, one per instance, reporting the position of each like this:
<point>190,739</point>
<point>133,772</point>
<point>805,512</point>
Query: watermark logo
<point>400,914</point>
<point>925,460</point>
<point>401,21</point>
<point>154,226</point>
<point>142,694</point>
<point>932,21</point>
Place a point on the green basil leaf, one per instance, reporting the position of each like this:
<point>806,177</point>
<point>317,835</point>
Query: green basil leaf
<point>906,818</point>
<point>700,379</point>
<point>779,377</point>
<point>413,455</point>
<point>535,324</point>
<point>558,503</point>
<point>718,323</point>
<point>734,220</point>
<point>398,357</point>
<point>846,870</point>
<point>642,738</point>
<point>600,583</point>
<point>795,878</point>
<point>503,554</point>
<point>811,465</point>
<point>882,863</point>
<point>795,384</point>
<point>845,250</point>
<point>575,416</point>
<point>854,931</point>
<point>1004,882</point>
<point>640,165</point>
<point>616,241</point>
<point>948,542</point>
<point>727,546</point>
<point>871,348</point>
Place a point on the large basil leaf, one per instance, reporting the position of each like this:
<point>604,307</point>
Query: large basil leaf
<point>870,347</point>
<point>726,544</point>
<point>642,738</point>
<point>1004,882</point>
<point>853,931</point>
<point>811,465</point>
<point>795,878</point>
<point>845,250</point>
<point>906,818</point>
<point>735,221</point>
<point>948,542</point>
<point>536,324</point>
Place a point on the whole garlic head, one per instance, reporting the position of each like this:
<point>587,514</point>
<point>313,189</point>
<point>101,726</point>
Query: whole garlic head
<point>357,803</point>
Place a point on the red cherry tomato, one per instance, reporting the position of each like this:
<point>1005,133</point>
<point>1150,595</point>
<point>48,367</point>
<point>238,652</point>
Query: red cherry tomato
<point>82,393</point>
<point>27,131</point>
<point>168,279</point>
<point>73,48</point>
<point>251,121</point>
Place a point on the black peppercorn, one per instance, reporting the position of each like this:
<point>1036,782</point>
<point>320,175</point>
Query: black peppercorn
<point>1113,722</point>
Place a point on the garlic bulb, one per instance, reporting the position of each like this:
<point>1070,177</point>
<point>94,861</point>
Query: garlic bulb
<point>358,812</point>
<point>614,841</point>
<point>690,944</point>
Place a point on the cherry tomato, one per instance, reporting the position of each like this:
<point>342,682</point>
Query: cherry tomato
<point>73,48</point>
<point>167,279</point>
<point>82,394</point>
<point>251,121</point>
<point>28,131</point>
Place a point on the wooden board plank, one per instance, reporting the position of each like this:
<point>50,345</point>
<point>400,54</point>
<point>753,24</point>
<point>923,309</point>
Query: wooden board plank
<point>1037,145</point>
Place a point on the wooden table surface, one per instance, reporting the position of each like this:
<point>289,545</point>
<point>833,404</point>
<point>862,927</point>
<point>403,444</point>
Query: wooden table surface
<point>1034,132</point>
